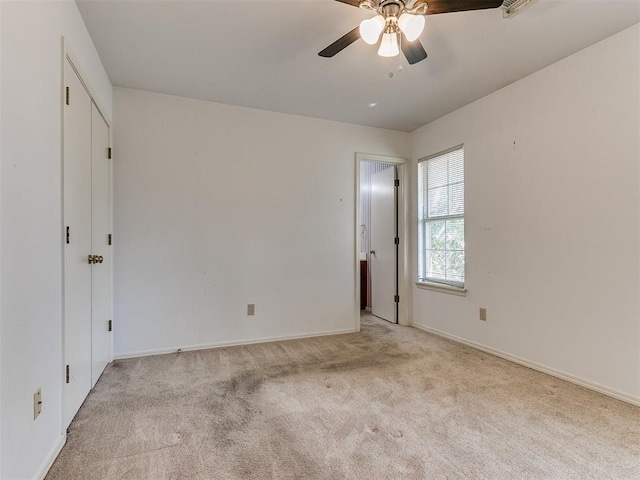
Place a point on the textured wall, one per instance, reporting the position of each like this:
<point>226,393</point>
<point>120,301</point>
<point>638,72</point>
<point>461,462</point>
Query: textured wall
<point>552,217</point>
<point>219,206</point>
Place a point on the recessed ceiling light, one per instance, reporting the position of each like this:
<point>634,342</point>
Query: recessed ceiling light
<point>373,104</point>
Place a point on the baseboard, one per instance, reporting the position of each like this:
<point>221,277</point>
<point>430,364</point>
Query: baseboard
<point>189,348</point>
<point>51,457</point>
<point>536,366</point>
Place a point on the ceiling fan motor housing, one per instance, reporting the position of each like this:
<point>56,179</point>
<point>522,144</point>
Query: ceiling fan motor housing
<point>389,9</point>
<point>394,7</point>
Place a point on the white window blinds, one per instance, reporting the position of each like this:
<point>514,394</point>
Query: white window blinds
<point>441,218</point>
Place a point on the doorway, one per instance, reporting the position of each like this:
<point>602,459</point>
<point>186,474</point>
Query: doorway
<point>381,238</point>
<point>378,231</point>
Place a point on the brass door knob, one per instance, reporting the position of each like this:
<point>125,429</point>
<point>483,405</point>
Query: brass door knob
<point>100,259</point>
<point>372,252</point>
<point>90,259</point>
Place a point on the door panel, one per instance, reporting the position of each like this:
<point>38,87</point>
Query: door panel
<point>383,232</point>
<point>77,217</point>
<point>100,221</point>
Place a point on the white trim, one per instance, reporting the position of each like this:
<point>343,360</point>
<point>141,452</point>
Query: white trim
<point>442,288</point>
<point>51,457</point>
<point>404,250</point>
<point>111,247</point>
<point>84,79</point>
<point>432,283</point>
<point>536,366</point>
<point>232,343</point>
<point>63,311</point>
<point>404,254</point>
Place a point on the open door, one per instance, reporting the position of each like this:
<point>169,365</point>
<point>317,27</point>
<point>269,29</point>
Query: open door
<point>384,250</point>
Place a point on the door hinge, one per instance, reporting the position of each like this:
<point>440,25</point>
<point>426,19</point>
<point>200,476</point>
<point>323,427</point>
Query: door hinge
<point>109,325</point>
<point>396,299</point>
<point>68,236</point>
<point>396,240</point>
<point>109,153</point>
<point>67,96</point>
<point>396,182</point>
<point>109,239</point>
<point>67,374</point>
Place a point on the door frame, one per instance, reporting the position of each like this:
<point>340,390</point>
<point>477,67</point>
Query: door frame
<point>67,53</point>
<point>404,250</point>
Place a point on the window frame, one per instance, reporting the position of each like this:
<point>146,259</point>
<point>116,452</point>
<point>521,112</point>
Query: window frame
<point>435,283</point>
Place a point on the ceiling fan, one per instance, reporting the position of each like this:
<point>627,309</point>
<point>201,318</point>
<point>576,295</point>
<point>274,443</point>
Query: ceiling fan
<point>400,18</point>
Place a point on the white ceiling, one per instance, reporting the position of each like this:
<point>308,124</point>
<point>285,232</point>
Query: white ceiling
<point>263,54</point>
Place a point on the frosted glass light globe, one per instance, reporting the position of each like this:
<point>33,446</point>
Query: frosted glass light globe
<point>389,45</point>
<point>371,29</point>
<point>411,25</point>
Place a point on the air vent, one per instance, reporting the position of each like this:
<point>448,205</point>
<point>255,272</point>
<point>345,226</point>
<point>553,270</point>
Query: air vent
<point>510,8</point>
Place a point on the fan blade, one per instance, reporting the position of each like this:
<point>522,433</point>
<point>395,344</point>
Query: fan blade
<point>447,6</point>
<point>414,51</point>
<point>341,43</point>
<point>355,3</point>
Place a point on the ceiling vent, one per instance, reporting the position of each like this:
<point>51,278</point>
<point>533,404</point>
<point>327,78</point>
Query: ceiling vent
<point>510,8</point>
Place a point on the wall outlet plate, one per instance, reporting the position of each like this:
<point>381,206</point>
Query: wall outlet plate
<point>251,309</point>
<point>483,314</point>
<point>37,403</point>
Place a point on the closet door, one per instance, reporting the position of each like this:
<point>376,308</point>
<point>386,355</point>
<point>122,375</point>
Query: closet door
<point>77,247</point>
<point>100,228</point>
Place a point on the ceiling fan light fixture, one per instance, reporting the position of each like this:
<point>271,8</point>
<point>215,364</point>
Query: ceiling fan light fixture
<point>371,29</point>
<point>406,17</point>
<point>389,45</point>
<point>411,25</point>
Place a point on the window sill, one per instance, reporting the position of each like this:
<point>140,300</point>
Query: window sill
<point>439,287</point>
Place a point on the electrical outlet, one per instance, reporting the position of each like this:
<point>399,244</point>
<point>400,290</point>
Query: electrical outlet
<point>37,403</point>
<point>251,309</point>
<point>483,314</point>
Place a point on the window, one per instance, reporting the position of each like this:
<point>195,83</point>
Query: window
<point>441,218</point>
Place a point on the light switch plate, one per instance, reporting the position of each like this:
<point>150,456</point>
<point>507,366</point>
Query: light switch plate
<point>251,309</point>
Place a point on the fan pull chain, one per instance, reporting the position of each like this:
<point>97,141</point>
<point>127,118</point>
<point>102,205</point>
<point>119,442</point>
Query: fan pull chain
<point>400,67</point>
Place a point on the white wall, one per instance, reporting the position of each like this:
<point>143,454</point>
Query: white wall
<point>218,206</point>
<point>0,233</point>
<point>31,284</point>
<point>552,217</point>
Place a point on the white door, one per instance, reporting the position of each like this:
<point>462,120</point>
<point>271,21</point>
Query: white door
<point>77,222</point>
<point>100,222</point>
<point>383,248</point>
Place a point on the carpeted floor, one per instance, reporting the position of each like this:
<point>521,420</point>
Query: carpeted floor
<point>388,403</point>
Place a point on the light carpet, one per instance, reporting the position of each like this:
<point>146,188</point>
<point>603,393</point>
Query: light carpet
<point>390,402</point>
